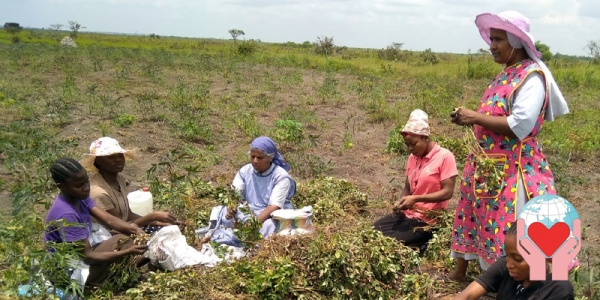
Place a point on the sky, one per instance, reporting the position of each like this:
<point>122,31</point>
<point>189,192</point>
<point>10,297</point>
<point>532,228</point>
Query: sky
<point>443,26</point>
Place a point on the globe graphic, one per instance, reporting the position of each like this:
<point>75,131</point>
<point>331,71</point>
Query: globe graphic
<point>548,210</point>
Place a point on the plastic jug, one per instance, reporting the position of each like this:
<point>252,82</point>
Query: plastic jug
<point>140,201</point>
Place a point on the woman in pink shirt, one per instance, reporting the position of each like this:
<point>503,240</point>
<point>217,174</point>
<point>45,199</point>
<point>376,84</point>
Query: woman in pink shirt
<point>430,179</point>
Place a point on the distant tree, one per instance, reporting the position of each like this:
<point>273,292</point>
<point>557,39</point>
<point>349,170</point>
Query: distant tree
<point>392,52</point>
<point>429,57</point>
<point>593,48</point>
<point>75,27</point>
<point>12,28</point>
<point>545,50</point>
<point>483,52</point>
<point>235,33</point>
<point>56,27</point>
<point>324,46</point>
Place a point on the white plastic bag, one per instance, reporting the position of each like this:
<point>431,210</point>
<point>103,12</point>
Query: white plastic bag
<point>293,221</point>
<point>168,249</point>
<point>98,235</point>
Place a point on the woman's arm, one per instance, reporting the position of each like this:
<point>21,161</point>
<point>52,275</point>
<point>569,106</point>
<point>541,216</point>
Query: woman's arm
<point>159,218</point>
<point>526,107</point>
<point>406,190</point>
<point>114,222</point>
<point>443,194</point>
<point>266,213</point>
<point>472,292</point>
<point>96,257</point>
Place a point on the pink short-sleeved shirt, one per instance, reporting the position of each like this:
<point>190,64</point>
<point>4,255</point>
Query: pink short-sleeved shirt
<point>425,176</point>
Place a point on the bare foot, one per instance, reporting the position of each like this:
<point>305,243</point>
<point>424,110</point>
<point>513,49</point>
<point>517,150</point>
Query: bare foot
<point>457,277</point>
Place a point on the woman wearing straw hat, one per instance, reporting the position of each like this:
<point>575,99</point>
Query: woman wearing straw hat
<point>430,179</point>
<point>109,188</point>
<point>506,124</point>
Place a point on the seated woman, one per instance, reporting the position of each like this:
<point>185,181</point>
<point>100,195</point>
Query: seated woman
<point>509,278</point>
<point>264,184</point>
<point>109,188</point>
<point>430,177</point>
<point>69,221</point>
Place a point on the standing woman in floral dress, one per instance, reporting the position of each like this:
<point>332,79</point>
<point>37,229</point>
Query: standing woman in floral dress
<point>506,124</point>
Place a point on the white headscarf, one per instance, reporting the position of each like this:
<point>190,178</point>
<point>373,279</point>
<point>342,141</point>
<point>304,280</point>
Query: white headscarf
<point>418,123</point>
<point>557,106</point>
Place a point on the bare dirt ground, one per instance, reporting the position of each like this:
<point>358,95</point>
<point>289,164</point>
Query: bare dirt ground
<point>364,164</point>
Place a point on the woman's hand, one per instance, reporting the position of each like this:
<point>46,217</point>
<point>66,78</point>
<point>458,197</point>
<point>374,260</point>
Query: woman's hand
<point>137,249</point>
<point>164,217</point>
<point>138,230</point>
<point>464,116</point>
<point>230,214</point>
<point>406,202</point>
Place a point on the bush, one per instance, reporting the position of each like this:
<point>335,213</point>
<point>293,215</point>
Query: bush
<point>289,131</point>
<point>324,46</point>
<point>429,57</point>
<point>124,120</point>
<point>246,48</point>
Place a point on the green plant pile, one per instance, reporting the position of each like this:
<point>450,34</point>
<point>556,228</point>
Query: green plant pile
<point>333,263</point>
<point>332,199</point>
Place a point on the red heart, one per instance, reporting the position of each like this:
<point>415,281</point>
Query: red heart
<point>548,240</point>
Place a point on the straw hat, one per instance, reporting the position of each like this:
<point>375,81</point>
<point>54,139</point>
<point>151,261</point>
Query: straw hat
<point>509,21</point>
<point>103,146</point>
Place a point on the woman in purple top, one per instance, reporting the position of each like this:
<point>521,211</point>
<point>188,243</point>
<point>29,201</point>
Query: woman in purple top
<point>69,221</point>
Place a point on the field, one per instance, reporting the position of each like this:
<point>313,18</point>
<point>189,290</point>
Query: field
<point>195,105</point>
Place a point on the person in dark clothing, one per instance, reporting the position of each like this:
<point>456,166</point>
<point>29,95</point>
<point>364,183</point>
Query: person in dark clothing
<point>508,277</point>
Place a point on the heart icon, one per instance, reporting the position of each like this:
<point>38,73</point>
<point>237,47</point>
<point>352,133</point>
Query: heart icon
<point>548,240</point>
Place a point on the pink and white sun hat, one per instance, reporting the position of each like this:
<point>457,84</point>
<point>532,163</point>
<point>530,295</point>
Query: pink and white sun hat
<point>517,25</point>
<point>103,146</point>
<point>509,21</point>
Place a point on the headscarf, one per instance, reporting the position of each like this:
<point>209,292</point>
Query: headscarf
<point>557,105</point>
<point>267,145</point>
<point>418,123</point>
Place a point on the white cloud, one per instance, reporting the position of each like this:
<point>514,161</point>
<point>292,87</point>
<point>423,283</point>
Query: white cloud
<point>437,24</point>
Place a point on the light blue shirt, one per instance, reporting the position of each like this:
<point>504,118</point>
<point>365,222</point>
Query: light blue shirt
<point>272,187</point>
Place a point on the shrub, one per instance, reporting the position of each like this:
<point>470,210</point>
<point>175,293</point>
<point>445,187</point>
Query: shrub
<point>246,48</point>
<point>124,120</point>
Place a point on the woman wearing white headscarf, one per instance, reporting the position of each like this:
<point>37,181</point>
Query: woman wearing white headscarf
<point>430,179</point>
<point>506,124</point>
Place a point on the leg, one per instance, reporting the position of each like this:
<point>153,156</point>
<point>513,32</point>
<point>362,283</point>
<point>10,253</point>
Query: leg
<point>403,229</point>
<point>460,273</point>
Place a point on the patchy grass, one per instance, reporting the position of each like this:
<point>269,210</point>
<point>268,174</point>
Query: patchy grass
<point>195,105</point>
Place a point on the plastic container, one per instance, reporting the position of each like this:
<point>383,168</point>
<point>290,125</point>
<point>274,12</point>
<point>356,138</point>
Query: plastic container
<point>140,201</point>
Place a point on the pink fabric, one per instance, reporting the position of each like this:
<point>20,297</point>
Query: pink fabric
<point>509,21</point>
<point>482,217</point>
<point>425,176</point>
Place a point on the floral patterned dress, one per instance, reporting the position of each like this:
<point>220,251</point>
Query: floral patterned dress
<point>483,216</point>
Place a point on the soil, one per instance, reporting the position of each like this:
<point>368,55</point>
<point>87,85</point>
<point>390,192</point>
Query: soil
<point>364,164</point>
